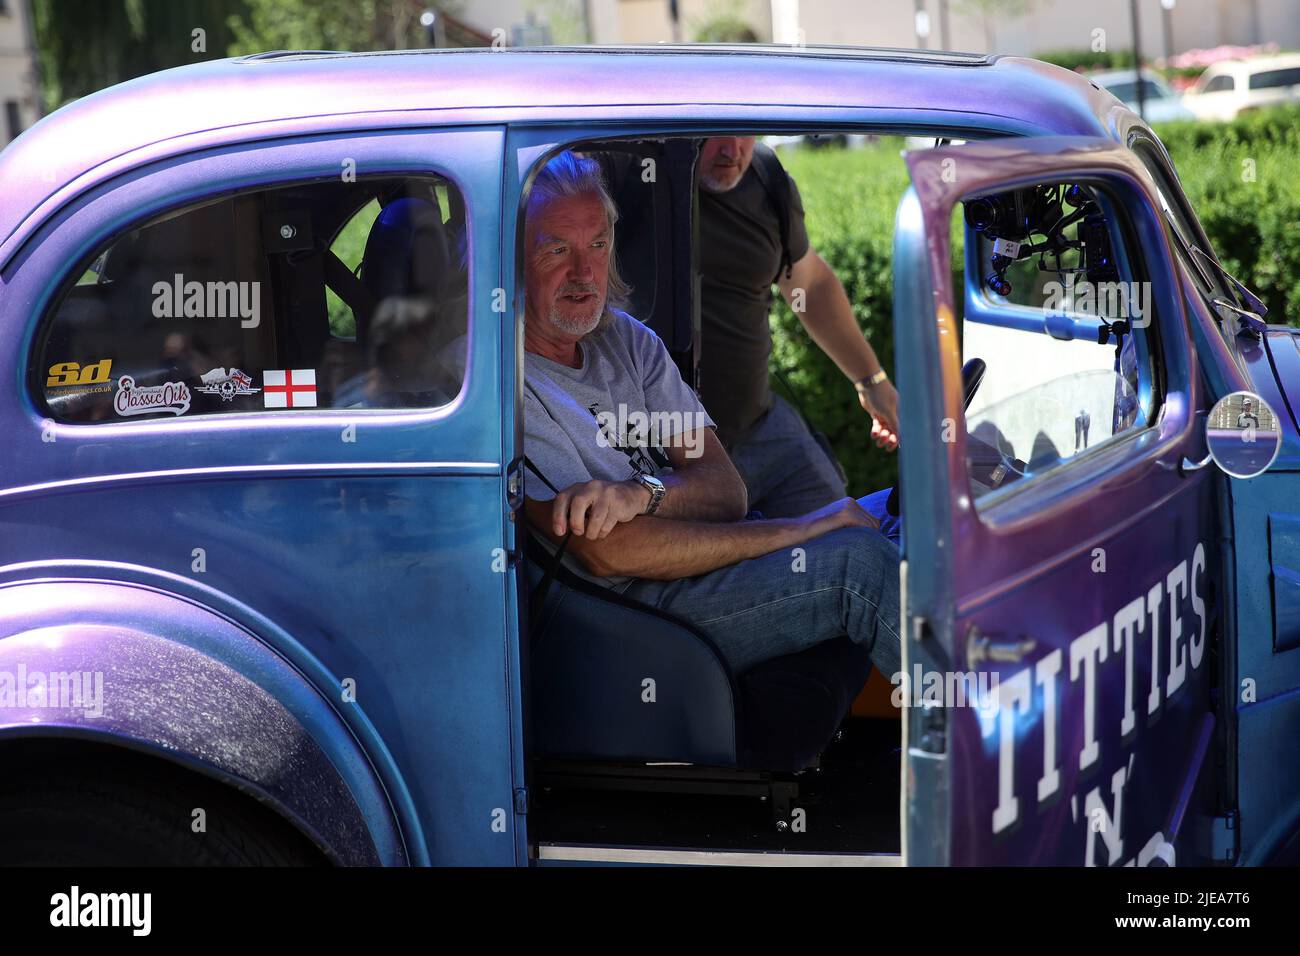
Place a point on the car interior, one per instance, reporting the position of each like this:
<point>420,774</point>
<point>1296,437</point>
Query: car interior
<point>364,281</point>
<point>724,760</point>
<point>801,753</point>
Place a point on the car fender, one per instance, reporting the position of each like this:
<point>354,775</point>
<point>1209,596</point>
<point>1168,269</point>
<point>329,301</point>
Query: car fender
<point>164,675</point>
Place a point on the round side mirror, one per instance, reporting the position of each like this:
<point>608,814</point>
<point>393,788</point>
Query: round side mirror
<point>1243,434</point>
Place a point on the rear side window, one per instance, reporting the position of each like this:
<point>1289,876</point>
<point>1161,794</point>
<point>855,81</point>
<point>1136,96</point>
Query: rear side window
<point>319,295</point>
<point>1275,78</point>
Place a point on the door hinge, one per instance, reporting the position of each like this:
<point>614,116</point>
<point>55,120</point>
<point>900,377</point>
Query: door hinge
<point>929,721</point>
<point>931,728</point>
<point>521,801</point>
<point>515,485</point>
<point>1216,837</point>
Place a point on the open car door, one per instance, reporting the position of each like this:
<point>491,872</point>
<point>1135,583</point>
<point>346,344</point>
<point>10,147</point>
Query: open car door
<point>1059,559</point>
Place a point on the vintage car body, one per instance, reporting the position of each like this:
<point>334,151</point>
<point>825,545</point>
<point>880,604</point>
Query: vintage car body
<point>350,614</point>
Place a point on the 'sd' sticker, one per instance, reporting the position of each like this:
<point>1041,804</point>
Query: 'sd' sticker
<point>289,388</point>
<point>227,384</point>
<point>170,397</point>
<point>72,375</point>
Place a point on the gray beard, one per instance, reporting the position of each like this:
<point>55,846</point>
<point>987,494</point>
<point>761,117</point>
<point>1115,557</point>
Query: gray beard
<point>714,186</point>
<point>580,326</point>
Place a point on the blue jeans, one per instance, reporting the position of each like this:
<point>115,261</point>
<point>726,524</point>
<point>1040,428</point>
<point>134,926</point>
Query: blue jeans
<point>787,474</point>
<point>785,471</point>
<point>891,527</point>
<point>842,583</point>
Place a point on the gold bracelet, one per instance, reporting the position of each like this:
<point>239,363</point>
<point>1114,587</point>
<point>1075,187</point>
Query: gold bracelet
<point>863,384</point>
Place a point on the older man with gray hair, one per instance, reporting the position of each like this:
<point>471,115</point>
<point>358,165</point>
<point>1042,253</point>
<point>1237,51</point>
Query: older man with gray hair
<point>647,496</point>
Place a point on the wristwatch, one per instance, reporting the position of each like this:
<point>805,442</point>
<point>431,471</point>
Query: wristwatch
<point>863,384</point>
<point>653,485</point>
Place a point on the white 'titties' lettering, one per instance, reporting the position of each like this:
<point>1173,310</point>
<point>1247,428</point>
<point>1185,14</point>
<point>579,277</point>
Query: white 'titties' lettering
<point>1045,672</point>
<point>1176,585</point>
<point>1088,649</point>
<point>1197,647</point>
<point>1013,695</point>
<point>1127,625</point>
<point>1036,690</point>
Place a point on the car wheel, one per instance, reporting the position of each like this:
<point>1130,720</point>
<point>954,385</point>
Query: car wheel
<point>73,806</point>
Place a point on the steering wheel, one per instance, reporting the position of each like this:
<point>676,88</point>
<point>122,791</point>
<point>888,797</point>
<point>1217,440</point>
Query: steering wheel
<point>1010,464</point>
<point>972,373</point>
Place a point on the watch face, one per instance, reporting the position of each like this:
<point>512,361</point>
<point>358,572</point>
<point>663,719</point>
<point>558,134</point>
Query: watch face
<point>656,489</point>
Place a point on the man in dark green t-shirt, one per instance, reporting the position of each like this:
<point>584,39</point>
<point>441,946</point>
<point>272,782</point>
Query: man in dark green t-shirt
<point>747,243</point>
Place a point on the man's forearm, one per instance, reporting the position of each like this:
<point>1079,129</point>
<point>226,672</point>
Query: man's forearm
<point>664,549</point>
<point>830,323</point>
<point>704,493</point>
<point>704,484</point>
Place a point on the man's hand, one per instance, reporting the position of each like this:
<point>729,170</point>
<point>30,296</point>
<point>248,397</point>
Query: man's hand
<point>593,509</point>
<point>845,513</point>
<point>881,402</point>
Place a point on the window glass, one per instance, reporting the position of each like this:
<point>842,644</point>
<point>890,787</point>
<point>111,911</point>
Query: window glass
<point>320,295</point>
<point>1220,84</point>
<point>1128,91</point>
<point>1063,328</point>
<point>1272,79</point>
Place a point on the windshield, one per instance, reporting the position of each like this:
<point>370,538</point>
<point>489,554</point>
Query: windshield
<point>1127,90</point>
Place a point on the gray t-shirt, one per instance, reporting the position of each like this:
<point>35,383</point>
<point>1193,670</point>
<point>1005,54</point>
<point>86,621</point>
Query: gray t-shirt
<point>608,419</point>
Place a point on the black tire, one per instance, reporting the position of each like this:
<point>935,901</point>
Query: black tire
<point>68,804</point>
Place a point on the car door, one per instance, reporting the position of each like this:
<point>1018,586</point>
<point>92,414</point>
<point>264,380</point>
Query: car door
<point>333,498</point>
<point>1059,560</point>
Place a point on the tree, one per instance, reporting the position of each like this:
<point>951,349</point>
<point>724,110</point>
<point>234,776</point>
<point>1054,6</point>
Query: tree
<point>86,45</point>
<point>565,20</point>
<point>725,22</point>
<point>988,12</point>
<point>354,25</point>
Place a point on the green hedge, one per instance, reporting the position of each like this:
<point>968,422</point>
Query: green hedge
<point>1243,181</point>
<point>1084,59</point>
<point>851,196</point>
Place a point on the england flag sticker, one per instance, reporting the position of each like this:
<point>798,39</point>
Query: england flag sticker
<point>289,388</point>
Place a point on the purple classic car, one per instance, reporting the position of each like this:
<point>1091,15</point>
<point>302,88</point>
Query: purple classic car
<point>260,387</point>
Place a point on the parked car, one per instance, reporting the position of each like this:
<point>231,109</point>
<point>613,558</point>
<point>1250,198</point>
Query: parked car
<point>1161,104</point>
<point>260,539</point>
<point>1228,89</point>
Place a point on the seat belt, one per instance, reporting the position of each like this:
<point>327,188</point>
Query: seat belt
<point>349,288</point>
<point>538,596</point>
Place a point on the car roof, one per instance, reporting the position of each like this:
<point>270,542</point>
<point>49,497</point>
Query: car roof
<point>1255,64</point>
<point>291,92</point>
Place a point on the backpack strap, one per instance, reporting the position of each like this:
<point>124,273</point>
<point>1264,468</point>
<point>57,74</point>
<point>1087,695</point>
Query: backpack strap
<point>776,183</point>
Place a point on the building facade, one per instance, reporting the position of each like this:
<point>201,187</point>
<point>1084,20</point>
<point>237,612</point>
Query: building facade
<point>938,24</point>
<point>19,81</point>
